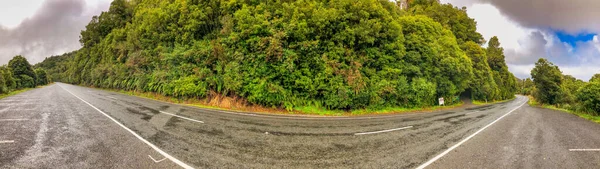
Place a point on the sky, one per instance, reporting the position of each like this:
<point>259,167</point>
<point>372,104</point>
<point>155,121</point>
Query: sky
<point>38,29</point>
<point>564,32</point>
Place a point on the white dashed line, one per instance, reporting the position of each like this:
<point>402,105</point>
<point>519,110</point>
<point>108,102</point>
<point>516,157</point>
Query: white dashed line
<point>112,97</point>
<point>181,117</point>
<point>584,149</point>
<point>14,119</point>
<point>422,166</point>
<point>175,160</point>
<point>6,141</point>
<point>383,131</point>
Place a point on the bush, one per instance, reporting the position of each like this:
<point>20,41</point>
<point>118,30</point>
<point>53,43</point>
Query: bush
<point>589,97</point>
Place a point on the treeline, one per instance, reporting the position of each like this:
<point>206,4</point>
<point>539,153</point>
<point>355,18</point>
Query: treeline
<point>19,74</point>
<point>551,87</point>
<point>343,54</point>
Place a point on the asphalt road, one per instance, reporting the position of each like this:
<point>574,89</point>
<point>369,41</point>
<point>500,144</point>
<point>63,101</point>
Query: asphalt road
<point>66,126</point>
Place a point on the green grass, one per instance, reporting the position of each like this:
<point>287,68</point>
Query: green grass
<point>304,110</point>
<point>533,102</point>
<point>20,91</point>
<point>389,110</point>
<point>2,96</point>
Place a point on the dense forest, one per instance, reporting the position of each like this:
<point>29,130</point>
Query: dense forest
<point>342,54</point>
<point>19,74</point>
<point>550,87</point>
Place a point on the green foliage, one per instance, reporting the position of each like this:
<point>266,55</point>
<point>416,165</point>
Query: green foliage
<point>547,79</point>
<point>483,87</point>
<point>3,87</point>
<point>451,17</point>
<point>56,66</point>
<point>525,86</point>
<point>20,66</point>
<point>41,77</point>
<point>433,54</point>
<point>342,55</point>
<point>506,81</point>
<point>25,81</point>
<point>569,88</point>
<point>589,97</point>
<point>595,78</point>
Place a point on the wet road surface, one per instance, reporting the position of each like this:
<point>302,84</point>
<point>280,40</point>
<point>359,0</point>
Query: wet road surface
<point>69,126</point>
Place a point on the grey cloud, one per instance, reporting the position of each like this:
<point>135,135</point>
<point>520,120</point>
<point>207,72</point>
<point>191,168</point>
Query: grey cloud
<point>532,48</point>
<point>53,29</point>
<point>572,16</point>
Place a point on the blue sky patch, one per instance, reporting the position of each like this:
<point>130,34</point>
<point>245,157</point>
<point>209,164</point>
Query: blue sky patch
<point>573,39</point>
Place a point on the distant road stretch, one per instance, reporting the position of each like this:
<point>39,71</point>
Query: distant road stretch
<point>68,126</point>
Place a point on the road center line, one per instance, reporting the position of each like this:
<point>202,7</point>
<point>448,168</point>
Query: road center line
<point>112,97</point>
<point>181,117</point>
<point>382,131</point>
<point>422,166</point>
<point>14,119</point>
<point>584,149</point>
<point>175,160</point>
<point>6,141</point>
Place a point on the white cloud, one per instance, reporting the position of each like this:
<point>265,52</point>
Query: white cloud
<point>524,44</point>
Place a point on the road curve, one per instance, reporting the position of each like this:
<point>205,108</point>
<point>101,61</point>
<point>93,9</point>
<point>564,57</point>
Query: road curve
<point>63,125</point>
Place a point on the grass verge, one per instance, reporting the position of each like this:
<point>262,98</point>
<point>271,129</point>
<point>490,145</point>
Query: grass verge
<point>2,96</point>
<point>305,110</point>
<point>534,103</point>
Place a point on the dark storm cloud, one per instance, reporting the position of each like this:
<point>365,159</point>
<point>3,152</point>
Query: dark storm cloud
<point>53,29</point>
<point>572,16</point>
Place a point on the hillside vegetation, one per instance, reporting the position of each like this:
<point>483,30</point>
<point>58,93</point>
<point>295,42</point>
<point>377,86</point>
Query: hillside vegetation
<point>333,54</point>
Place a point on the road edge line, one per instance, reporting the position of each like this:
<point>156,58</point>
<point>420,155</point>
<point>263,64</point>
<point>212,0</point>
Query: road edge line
<point>431,161</point>
<point>175,160</point>
<point>382,131</point>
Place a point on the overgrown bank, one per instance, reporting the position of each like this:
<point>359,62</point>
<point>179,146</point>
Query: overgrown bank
<point>344,55</point>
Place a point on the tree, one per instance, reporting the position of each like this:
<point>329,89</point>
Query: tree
<point>483,87</point>
<point>451,17</point>
<point>3,87</point>
<point>547,79</point>
<point>569,88</point>
<point>41,77</point>
<point>595,78</point>
<point>504,79</point>
<point>22,70</point>
<point>525,86</point>
<point>589,97</point>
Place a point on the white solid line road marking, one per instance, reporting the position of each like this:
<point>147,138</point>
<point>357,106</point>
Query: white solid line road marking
<point>584,149</point>
<point>181,117</point>
<point>422,166</point>
<point>14,119</point>
<point>156,161</point>
<point>175,160</point>
<point>6,141</point>
<point>383,131</point>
